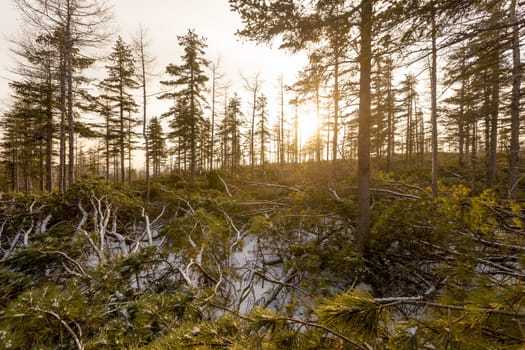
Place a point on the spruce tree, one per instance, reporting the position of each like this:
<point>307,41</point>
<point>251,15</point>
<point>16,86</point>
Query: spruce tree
<point>157,143</point>
<point>118,88</point>
<point>189,81</point>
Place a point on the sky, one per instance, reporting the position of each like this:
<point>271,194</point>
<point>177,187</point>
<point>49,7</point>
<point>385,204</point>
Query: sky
<point>164,20</point>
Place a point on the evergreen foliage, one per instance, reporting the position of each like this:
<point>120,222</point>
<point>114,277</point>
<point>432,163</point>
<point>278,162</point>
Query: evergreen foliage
<point>235,246</point>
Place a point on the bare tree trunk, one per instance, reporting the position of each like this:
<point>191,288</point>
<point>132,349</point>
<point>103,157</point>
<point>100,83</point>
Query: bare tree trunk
<point>433,97</point>
<point>363,239</point>
<point>319,122</point>
<point>49,133</point>
<point>336,115</point>
<point>390,100</point>
<point>254,89</point>
<point>281,129</point>
<point>461,119</point>
<point>144,110</point>
<point>63,107</point>
<point>70,122</point>
<point>474,155</point>
<point>515,106</point>
<point>494,110</point>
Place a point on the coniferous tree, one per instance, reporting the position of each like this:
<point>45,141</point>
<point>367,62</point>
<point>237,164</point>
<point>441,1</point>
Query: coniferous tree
<point>117,88</point>
<point>408,106</point>
<point>262,129</point>
<point>310,83</point>
<point>384,109</point>
<point>77,23</point>
<point>158,151</point>
<point>190,79</point>
<point>42,56</point>
<point>230,132</point>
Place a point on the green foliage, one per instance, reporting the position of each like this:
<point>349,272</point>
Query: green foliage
<point>355,313</point>
<point>174,293</point>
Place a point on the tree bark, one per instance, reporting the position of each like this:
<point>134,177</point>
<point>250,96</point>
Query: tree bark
<point>336,114</point>
<point>70,121</point>
<point>363,239</point>
<point>515,105</point>
<point>144,110</point>
<point>433,97</point>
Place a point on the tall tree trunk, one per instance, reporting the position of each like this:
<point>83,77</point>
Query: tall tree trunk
<point>336,114</point>
<point>433,97</point>
<point>461,117</point>
<point>365,57</point>
<point>121,143</point>
<point>252,130</point>
<point>144,110</point>
<point>515,105</point>
<point>296,132</point>
<point>212,124</point>
<point>390,102</point>
<point>474,155</point>
<point>193,141</point>
<point>63,115</point>
<point>408,150</point>
<point>319,122</point>
<point>70,121</point>
<point>107,149</point>
<point>281,128</point>
<point>49,133</point>
<point>494,124</point>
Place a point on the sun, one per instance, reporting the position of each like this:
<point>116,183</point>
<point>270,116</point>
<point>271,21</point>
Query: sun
<point>307,126</point>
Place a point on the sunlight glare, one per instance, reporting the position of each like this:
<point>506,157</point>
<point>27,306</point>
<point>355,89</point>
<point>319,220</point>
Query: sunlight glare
<point>307,126</point>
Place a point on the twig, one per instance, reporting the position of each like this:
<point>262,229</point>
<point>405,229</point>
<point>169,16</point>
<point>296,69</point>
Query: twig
<point>290,188</point>
<point>328,330</point>
<point>71,332</point>
<point>68,258</point>
<point>391,302</point>
<point>225,186</point>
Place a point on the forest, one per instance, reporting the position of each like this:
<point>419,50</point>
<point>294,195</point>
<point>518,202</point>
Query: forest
<point>377,203</point>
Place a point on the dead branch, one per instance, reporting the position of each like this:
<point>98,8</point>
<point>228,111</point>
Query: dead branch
<point>43,224</point>
<point>502,269</point>
<point>282,283</point>
<point>225,186</point>
<point>328,330</point>
<point>71,332</point>
<point>68,258</point>
<point>396,194</point>
<point>416,301</point>
<point>289,188</point>
<point>82,230</point>
<point>262,202</point>
<point>148,226</point>
<point>492,243</point>
<point>413,187</point>
<point>13,245</point>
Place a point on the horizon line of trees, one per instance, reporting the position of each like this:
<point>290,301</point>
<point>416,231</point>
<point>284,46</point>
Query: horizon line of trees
<point>56,106</point>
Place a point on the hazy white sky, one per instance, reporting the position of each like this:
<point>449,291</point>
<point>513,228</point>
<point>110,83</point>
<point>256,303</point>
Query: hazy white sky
<point>164,20</point>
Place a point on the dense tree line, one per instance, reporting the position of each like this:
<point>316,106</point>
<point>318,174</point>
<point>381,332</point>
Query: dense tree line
<point>476,39</point>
